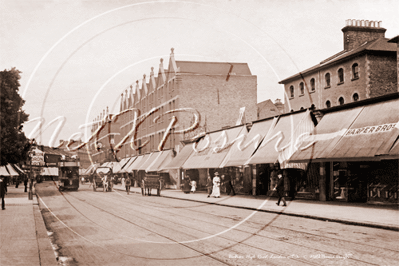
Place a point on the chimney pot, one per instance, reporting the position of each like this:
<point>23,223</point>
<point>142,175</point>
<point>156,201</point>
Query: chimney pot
<point>367,23</point>
<point>362,23</point>
<point>379,24</point>
<point>353,22</point>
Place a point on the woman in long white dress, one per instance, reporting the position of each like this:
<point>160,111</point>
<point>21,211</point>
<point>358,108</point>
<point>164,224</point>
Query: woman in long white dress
<point>216,186</point>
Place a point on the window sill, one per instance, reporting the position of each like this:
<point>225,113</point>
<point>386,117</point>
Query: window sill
<point>301,95</point>
<point>340,83</point>
<point>355,79</point>
<point>327,87</point>
<point>312,91</point>
<point>291,98</point>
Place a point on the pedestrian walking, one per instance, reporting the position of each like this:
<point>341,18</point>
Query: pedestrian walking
<point>17,182</point>
<point>280,190</point>
<point>186,184</point>
<point>3,191</point>
<point>128,183</point>
<point>82,180</point>
<point>209,185</point>
<point>229,185</point>
<point>216,186</point>
<point>193,186</point>
<point>26,183</point>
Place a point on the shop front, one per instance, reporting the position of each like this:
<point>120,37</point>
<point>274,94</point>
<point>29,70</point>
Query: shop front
<point>353,147</point>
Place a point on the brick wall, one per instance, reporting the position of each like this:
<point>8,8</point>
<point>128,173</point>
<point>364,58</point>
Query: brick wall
<point>382,74</point>
<point>217,100</point>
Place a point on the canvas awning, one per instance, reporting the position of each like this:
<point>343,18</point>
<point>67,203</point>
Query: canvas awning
<point>124,163</point>
<point>325,135</point>
<point>11,170</point>
<point>135,165</point>
<point>180,158</point>
<point>279,144</point>
<point>372,133</point>
<point>116,166</point>
<point>149,158</point>
<point>163,158</point>
<point>237,156</point>
<point>363,133</point>
<point>3,171</point>
<point>207,154</point>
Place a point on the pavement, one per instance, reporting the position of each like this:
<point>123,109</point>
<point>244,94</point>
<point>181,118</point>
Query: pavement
<point>23,234</point>
<point>24,239</point>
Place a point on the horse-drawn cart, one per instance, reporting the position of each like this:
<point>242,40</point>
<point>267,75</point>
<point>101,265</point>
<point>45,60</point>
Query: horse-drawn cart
<point>151,182</point>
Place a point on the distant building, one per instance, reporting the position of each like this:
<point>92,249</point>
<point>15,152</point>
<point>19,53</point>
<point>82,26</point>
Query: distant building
<point>224,94</point>
<point>365,68</point>
<point>268,109</point>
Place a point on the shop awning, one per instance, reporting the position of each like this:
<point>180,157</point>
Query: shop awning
<point>325,135</point>
<point>259,130</point>
<point>394,152</point>
<point>148,160</point>
<point>118,165</point>
<point>373,132</point>
<point>279,144</point>
<point>11,170</point>
<point>125,163</point>
<point>163,158</point>
<point>3,171</point>
<point>207,155</point>
<point>180,158</point>
<point>135,165</point>
<point>50,171</point>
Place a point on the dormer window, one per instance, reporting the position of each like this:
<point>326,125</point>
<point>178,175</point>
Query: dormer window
<point>341,75</point>
<point>355,71</point>
<point>291,91</point>
<point>341,100</point>
<point>301,88</point>
<point>328,80</point>
<point>355,97</point>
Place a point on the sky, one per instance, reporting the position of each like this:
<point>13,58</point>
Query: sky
<point>77,57</point>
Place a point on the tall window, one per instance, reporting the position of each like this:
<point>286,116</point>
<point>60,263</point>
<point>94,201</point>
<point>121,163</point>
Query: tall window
<point>355,71</point>
<point>302,90</point>
<point>341,100</point>
<point>328,80</point>
<point>355,97</point>
<point>328,104</point>
<point>341,75</point>
<point>292,91</point>
<point>312,84</point>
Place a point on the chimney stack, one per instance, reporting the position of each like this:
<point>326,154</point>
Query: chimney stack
<point>357,32</point>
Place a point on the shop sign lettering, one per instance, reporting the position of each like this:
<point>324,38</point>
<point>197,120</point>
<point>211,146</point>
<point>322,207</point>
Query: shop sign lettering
<point>371,129</point>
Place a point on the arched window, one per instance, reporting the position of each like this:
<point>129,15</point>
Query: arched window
<point>341,75</point>
<point>355,97</point>
<point>328,104</point>
<point>328,80</point>
<point>301,108</point>
<point>292,91</point>
<point>312,84</point>
<point>302,90</point>
<point>355,71</point>
<point>341,100</point>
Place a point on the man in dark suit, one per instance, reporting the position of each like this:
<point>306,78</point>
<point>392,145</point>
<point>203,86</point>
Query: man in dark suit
<point>280,190</point>
<point>3,191</point>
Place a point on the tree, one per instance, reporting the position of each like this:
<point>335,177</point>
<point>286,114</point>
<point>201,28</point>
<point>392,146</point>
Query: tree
<point>14,145</point>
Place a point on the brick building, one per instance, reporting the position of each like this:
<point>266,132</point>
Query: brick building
<point>220,92</point>
<point>365,68</point>
<point>268,109</point>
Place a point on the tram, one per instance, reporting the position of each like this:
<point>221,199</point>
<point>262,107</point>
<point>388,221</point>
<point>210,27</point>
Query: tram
<point>68,173</point>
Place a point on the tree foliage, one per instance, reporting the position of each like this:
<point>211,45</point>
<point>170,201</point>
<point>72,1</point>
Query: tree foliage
<point>14,144</point>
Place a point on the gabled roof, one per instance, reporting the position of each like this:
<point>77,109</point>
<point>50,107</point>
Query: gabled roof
<point>161,74</point>
<point>378,45</point>
<point>268,109</point>
<point>213,68</point>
